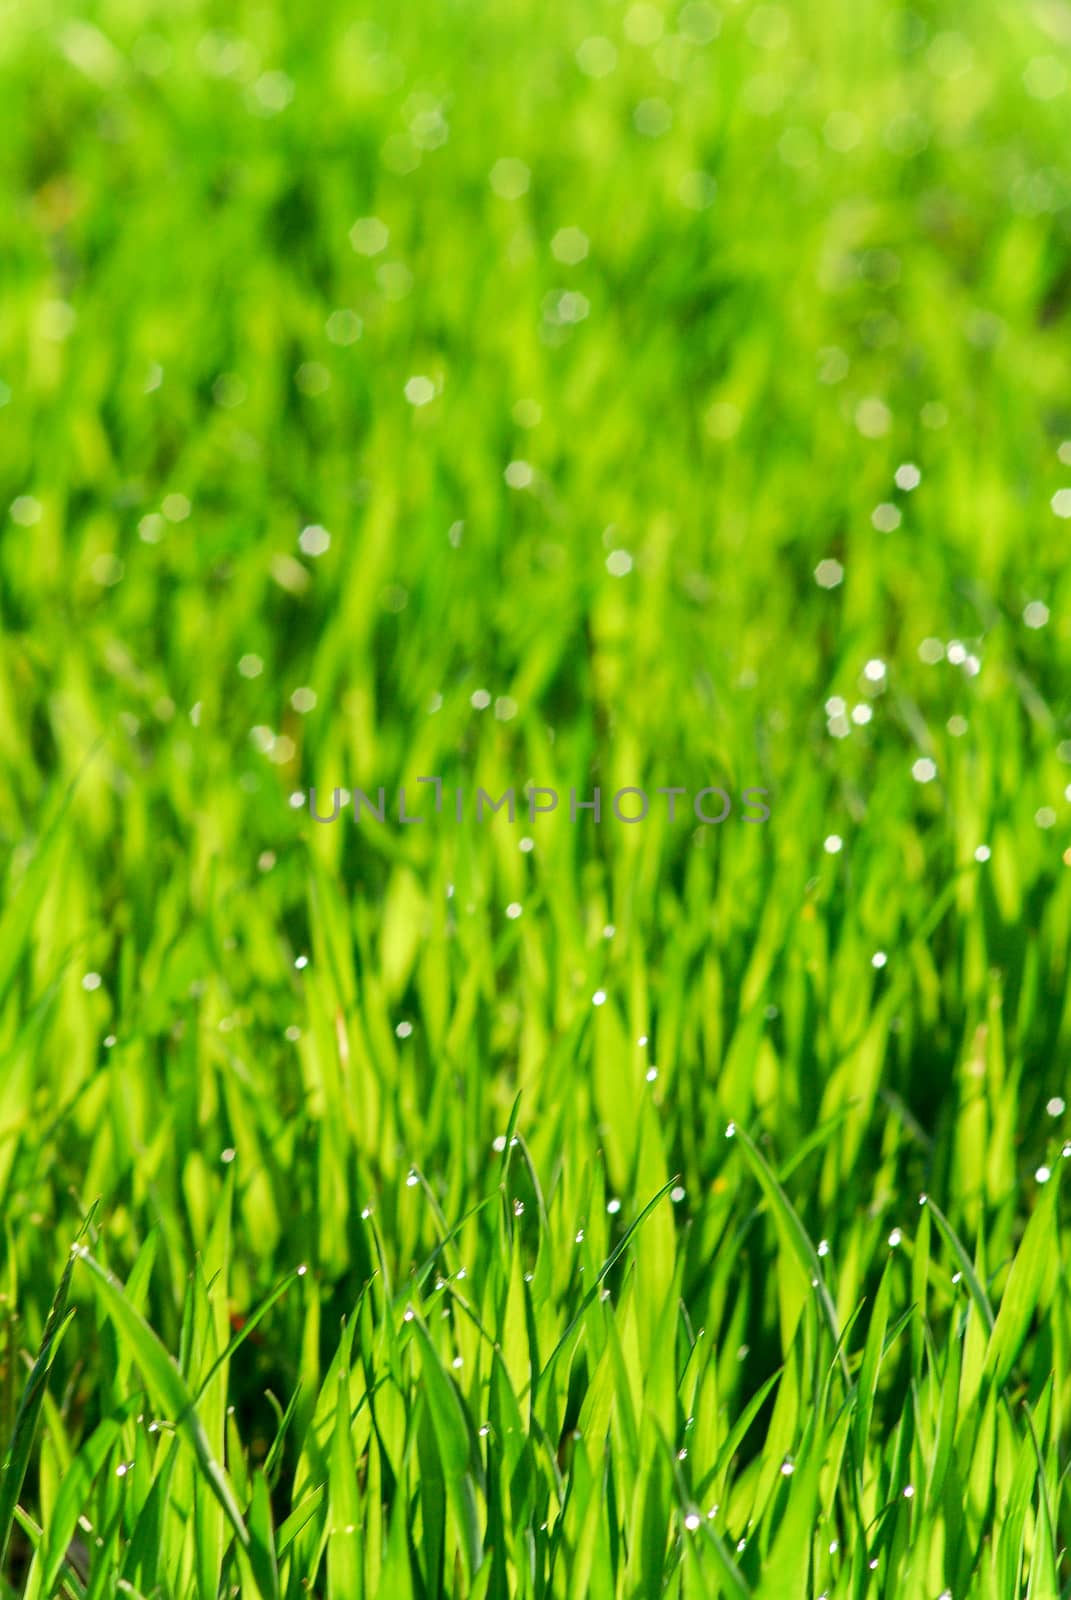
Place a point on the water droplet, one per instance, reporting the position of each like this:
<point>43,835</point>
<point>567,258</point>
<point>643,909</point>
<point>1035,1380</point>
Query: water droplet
<point>369,236</point>
<point>596,57</point>
<point>510,178</point>
<point>25,510</point>
<point>873,418</point>
<point>343,327</point>
<point>175,507</point>
<point>419,391</point>
<point>314,540</point>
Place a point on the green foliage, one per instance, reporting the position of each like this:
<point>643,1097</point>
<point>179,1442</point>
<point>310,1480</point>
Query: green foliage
<point>620,396</point>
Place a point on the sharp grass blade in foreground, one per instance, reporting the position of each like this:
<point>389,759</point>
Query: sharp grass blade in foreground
<point>1033,1264</point>
<point>455,1450</point>
<point>262,1557</point>
<point>345,1567</point>
<point>797,1242</point>
<point>20,1446</point>
<point>75,1492</point>
<point>164,1382</point>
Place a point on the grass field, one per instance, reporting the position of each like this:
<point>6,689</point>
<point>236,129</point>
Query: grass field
<point>583,397</point>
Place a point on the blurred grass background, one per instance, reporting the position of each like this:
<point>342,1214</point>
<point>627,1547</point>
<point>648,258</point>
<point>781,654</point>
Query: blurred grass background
<point>593,395</point>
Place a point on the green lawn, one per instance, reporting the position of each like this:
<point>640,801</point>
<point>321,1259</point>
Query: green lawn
<point>600,396</point>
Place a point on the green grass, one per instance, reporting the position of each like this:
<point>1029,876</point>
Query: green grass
<point>400,1267</point>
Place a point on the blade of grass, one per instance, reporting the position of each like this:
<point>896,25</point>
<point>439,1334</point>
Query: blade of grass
<point>17,1456</point>
<point>169,1389</point>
